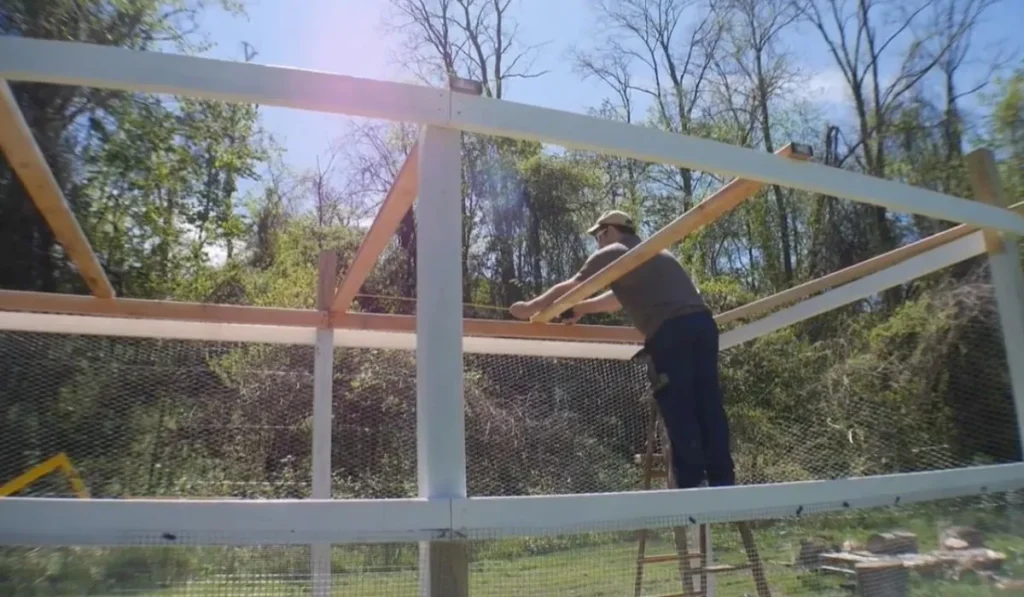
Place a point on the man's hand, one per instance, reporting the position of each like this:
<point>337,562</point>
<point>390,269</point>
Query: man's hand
<point>522,310</point>
<point>527,309</point>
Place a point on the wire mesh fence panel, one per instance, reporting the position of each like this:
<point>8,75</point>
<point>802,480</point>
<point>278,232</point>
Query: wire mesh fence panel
<point>204,571</point>
<point>272,571</point>
<point>853,393</point>
<point>850,393</point>
<point>380,569</point>
<point>972,545</point>
<point>963,546</point>
<point>537,425</point>
<point>374,425</point>
<point>156,418</point>
<point>145,570</point>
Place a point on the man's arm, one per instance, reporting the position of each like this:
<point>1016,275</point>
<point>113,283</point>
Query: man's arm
<point>602,303</point>
<point>527,309</point>
<point>596,262</point>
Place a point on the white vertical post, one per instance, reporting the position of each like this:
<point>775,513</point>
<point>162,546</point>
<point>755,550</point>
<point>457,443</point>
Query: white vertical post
<point>1007,277</point>
<point>440,418</point>
<point>323,378</point>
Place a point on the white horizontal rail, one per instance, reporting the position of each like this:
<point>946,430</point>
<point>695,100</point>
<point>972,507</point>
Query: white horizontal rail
<point>494,517</point>
<point>41,521</point>
<point>576,131</point>
<point>106,67</point>
<point>117,68</point>
<point>165,329</point>
<point>271,334</point>
<point>930,261</point>
<point>490,345</point>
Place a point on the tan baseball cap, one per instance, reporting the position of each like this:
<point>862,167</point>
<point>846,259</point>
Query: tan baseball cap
<point>612,218</point>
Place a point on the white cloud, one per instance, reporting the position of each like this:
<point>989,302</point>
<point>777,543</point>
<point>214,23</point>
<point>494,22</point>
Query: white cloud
<point>825,86</point>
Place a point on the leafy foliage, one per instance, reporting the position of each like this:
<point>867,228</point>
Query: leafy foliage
<point>190,200</point>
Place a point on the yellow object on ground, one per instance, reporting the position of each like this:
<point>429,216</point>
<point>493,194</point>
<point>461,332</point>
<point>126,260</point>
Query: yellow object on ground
<point>60,462</point>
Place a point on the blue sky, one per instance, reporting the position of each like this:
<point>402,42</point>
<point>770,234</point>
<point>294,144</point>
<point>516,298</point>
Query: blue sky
<point>347,37</point>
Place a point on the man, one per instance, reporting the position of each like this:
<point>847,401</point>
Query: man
<point>681,338</point>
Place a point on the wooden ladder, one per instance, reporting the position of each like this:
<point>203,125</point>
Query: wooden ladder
<point>683,557</point>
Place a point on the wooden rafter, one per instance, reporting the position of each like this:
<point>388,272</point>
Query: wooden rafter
<point>851,273</point>
<point>394,208</point>
<point>40,302</point>
<point>82,305</point>
<point>725,200</point>
<point>27,161</point>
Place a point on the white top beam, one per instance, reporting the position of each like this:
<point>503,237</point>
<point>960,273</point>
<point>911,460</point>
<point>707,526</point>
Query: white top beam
<point>565,514</point>
<point>576,131</point>
<point>43,521</point>
<point>116,68</point>
<point>143,522</point>
<point>105,67</point>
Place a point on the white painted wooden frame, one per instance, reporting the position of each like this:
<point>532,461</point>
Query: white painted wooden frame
<point>117,68</point>
<point>440,407</point>
<point>89,325</point>
<point>928,262</point>
<point>47,521</point>
<point>41,521</point>
<point>492,517</point>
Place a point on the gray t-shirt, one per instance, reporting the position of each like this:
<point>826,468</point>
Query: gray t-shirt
<point>657,290</point>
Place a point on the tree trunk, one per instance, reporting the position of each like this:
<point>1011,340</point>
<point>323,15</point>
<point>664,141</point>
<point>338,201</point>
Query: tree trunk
<point>780,199</point>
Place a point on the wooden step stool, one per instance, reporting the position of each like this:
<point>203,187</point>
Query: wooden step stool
<point>656,437</point>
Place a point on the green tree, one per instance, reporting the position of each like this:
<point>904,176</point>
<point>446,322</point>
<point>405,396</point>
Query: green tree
<point>59,116</point>
<point>161,184</point>
<point>1004,132</point>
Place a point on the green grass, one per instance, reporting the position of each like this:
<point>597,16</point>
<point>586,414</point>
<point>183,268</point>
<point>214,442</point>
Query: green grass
<point>601,565</point>
<point>597,571</point>
<point>593,565</point>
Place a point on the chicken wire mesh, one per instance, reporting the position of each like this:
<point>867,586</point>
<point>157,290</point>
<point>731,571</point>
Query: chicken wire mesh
<point>964,546</point>
<point>537,425</point>
<point>972,545</point>
<point>846,394</point>
<point>373,440</point>
<point>850,393</point>
<point>204,571</point>
<point>156,418</point>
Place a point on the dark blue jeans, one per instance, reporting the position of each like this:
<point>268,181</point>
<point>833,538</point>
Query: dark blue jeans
<point>685,349</point>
